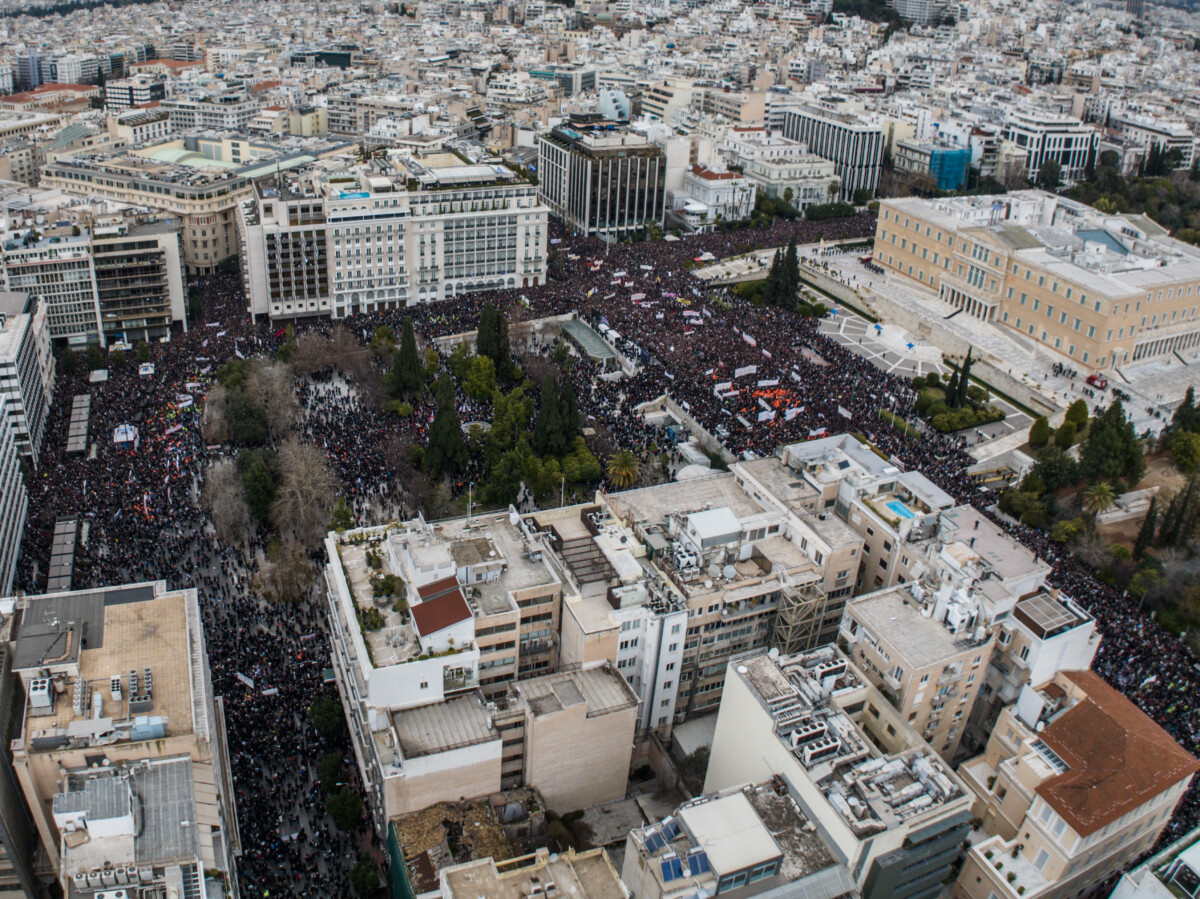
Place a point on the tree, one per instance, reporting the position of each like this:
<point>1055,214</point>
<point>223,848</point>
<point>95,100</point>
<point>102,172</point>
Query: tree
<point>1056,469</point>
<point>1145,535</point>
<point>503,357</point>
<point>143,352</point>
<point>407,373</point>
<point>1112,449</point>
<point>791,275</point>
<point>246,418</point>
<point>224,498</point>
<point>1185,448</point>
<point>1187,416</point>
<point>570,409</point>
<point>95,361</point>
<point>623,469</point>
<point>1039,432</point>
<point>343,517</point>
<point>1099,497</point>
<point>548,437</point>
<point>834,189</point>
<point>70,362</point>
<point>345,809</point>
<point>952,389</point>
<point>258,483</point>
<point>487,335</point>
<point>1077,413</point>
<point>304,498</point>
<point>447,451</point>
<point>270,385</point>
<point>1064,437</point>
<point>364,876</point>
<point>331,772</point>
<point>327,717</point>
<point>480,380</point>
<point>289,574</point>
<point>774,287</point>
<point>964,381</point>
<point>1049,174</point>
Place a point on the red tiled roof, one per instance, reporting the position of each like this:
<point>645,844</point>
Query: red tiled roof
<point>435,589</point>
<point>435,615</point>
<point>709,175</point>
<point>1119,758</point>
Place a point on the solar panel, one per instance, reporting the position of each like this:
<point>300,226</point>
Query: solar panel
<point>672,868</point>
<point>698,861</point>
<point>670,828</point>
<point>654,841</point>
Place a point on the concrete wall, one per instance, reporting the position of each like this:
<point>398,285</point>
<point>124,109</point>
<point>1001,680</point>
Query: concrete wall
<point>576,761</point>
<point>466,773</point>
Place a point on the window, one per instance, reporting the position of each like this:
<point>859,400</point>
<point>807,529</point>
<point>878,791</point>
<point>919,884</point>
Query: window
<point>763,871</point>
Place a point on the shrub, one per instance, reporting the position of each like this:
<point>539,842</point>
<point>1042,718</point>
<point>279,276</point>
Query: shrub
<point>1067,530</point>
<point>933,379</point>
<point>1039,433</point>
<point>924,401</point>
<point>918,383</point>
<point>978,394</point>
<point>1064,437</point>
<point>1078,413</point>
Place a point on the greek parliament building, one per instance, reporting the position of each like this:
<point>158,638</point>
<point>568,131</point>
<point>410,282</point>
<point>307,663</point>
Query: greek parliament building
<point>600,178</point>
<point>1104,290</point>
<point>401,230</point>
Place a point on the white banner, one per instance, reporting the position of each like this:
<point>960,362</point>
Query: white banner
<point>750,340</point>
<point>245,680</point>
<point>791,413</point>
<point>745,370</point>
<point>722,387</point>
<point>766,416</point>
<point>770,382</point>
<point>844,412</point>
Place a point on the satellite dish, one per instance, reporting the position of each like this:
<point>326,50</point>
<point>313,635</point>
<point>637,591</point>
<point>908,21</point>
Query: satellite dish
<point>728,572</point>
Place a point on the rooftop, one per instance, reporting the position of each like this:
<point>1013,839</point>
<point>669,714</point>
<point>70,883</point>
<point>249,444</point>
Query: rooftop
<point>917,642</point>
<point>601,688</point>
<point>995,549</point>
<point>106,635</point>
<point>443,726</point>
<point>575,875</point>
<point>1117,757</point>
<point>1048,615</point>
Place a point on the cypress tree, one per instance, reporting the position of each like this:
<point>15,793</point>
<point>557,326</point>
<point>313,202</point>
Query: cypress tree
<point>447,451</point>
<point>952,390</point>
<point>1185,416</point>
<point>548,437</point>
<point>408,373</point>
<point>964,381</point>
<point>774,280</point>
<point>1145,535</point>
<point>487,337</point>
<point>569,410</point>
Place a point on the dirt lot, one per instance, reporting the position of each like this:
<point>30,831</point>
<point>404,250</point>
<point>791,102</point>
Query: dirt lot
<point>1161,473</point>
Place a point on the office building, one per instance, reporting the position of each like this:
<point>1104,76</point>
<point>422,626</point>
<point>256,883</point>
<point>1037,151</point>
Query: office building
<point>1053,136</point>
<point>840,131</point>
<point>460,676</point>
<point>1156,130</point>
<point>891,811</point>
<point>140,126</point>
<point>224,111</point>
<point>944,166</point>
<point>14,500</point>
<point>602,179</point>
<point>28,70</point>
<point>436,226</point>
<point>26,370</point>
<point>1136,8</point>
<point>119,281</point>
<point>1101,289</point>
<point>1076,782</point>
<point>138,90</point>
<point>752,840</point>
<point>121,752</point>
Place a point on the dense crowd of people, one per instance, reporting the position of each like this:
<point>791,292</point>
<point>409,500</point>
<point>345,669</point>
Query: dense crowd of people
<point>755,375</point>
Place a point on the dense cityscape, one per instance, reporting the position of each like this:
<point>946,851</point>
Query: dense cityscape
<point>500,448</point>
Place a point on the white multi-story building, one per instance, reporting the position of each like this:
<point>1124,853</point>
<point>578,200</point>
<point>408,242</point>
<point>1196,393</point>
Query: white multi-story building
<point>1157,131</point>
<point>838,130</point>
<point>709,198</point>
<point>1047,135</point>
<point>14,501</point>
<point>26,369</point>
<point>405,230</point>
<point>139,90</point>
<point>230,111</point>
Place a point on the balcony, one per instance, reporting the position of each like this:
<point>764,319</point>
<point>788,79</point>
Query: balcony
<point>746,608</point>
<point>459,679</point>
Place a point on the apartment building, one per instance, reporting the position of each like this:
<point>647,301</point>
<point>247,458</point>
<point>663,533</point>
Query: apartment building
<point>404,230</point>
<point>1048,135</point>
<point>1156,130</point>
<point>1075,783</point>
<point>461,673</point>
<point>121,750</point>
<point>931,667</point>
<point>137,90</point>
<point>21,160</point>
<point>118,281</point>
<point>837,129</point>
<point>140,126</point>
<point>782,168</point>
<point>663,99</point>
<point>223,111</point>
<point>14,500</point>
<point>24,868</point>
<point>754,840</point>
<point>26,370</point>
<point>944,165</point>
<point>1103,290</point>
<point>738,107</point>
<point>600,178</point>
<point>892,812</point>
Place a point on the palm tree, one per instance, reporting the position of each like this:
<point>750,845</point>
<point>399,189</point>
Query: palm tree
<point>1098,498</point>
<point>623,469</point>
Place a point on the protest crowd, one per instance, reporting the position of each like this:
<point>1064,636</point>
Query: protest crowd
<point>757,376</point>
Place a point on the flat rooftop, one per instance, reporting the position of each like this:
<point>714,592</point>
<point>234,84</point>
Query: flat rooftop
<point>472,541</point>
<point>653,505</point>
<point>801,499</point>
<point>995,549</point>
<point>575,875</point>
<point>1048,615</point>
<point>894,616</point>
<point>443,726</point>
<point>601,688</point>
